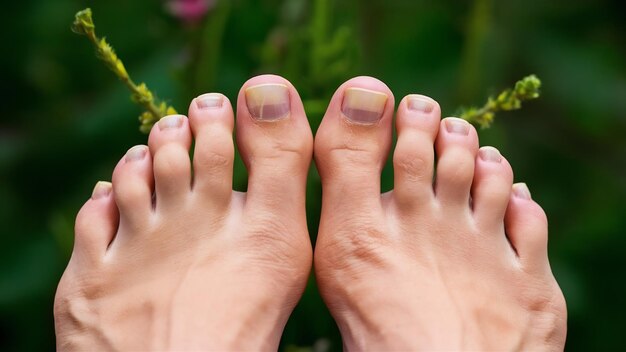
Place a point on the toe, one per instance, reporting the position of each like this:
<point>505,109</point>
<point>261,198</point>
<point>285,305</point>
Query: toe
<point>96,222</point>
<point>527,228</point>
<point>417,125</point>
<point>456,148</point>
<point>211,120</point>
<point>275,141</point>
<point>169,143</point>
<point>352,143</point>
<point>491,188</point>
<point>133,187</point>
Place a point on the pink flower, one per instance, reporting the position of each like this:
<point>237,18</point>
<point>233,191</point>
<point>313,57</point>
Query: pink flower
<point>190,10</point>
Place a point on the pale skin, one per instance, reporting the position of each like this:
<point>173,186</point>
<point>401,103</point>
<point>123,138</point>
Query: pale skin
<point>168,257</point>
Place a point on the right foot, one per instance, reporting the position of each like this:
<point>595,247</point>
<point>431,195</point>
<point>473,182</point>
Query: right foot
<point>161,262</point>
<point>458,264</point>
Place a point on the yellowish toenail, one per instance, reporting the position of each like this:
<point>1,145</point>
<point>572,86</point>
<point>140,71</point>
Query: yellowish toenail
<point>208,101</point>
<point>457,126</point>
<point>520,190</point>
<point>101,190</point>
<point>363,105</point>
<point>420,104</point>
<point>137,152</point>
<point>490,154</point>
<point>268,102</point>
<point>170,122</point>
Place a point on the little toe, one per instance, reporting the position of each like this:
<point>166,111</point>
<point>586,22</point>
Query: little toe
<point>275,141</point>
<point>169,143</point>
<point>417,124</point>
<point>96,222</point>
<point>527,228</point>
<point>456,147</point>
<point>211,120</point>
<point>133,184</point>
<point>491,188</point>
<point>352,144</point>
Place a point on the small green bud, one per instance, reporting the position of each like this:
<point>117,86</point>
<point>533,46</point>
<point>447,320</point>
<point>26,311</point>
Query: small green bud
<point>142,95</point>
<point>510,99</point>
<point>83,23</point>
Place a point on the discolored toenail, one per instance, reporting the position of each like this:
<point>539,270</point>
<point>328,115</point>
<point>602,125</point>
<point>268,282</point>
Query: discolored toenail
<point>363,105</point>
<point>208,101</point>
<point>457,126</point>
<point>101,190</point>
<point>520,190</point>
<point>490,154</point>
<point>136,153</point>
<point>268,102</point>
<point>170,122</point>
<point>420,104</point>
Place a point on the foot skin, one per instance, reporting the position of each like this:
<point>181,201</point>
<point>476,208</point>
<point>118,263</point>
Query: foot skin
<point>170,259</point>
<point>455,264</point>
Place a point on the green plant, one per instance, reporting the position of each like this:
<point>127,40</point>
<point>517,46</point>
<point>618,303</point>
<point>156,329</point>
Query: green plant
<point>510,99</point>
<point>140,94</point>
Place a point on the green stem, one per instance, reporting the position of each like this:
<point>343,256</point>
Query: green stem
<point>128,82</point>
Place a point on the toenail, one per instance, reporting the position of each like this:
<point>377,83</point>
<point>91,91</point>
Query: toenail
<point>420,104</point>
<point>211,100</point>
<point>101,190</point>
<point>170,122</point>
<point>520,190</point>
<point>457,126</point>
<point>490,154</point>
<point>363,105</point>
<point>136,153</point>
<point>268,102</point>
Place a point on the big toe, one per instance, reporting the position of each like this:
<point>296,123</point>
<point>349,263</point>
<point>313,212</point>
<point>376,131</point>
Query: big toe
<point>352,143</point>
<point>276,143</point>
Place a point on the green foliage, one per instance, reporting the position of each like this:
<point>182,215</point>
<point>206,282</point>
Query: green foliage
<point>140,94</point>
<point>510,99</point>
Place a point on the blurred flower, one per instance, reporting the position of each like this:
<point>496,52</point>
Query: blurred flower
<point>189,10</point>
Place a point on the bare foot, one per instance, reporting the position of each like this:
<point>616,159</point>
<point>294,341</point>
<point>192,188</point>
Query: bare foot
<point>458,264</point>
<point>168,258</point>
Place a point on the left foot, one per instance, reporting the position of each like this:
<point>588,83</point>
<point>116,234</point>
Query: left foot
<point>460,264</point>
<point>164,260</point>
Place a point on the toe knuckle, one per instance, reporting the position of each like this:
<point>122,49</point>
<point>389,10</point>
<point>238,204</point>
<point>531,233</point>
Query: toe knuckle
<point>412,166</point>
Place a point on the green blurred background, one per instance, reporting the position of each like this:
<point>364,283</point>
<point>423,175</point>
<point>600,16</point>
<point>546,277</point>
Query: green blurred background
<point>65,121</point>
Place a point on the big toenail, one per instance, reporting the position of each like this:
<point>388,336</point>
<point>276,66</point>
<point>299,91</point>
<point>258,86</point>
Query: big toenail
<point>363,105</point>
<point>137,152</point>
<point>420,104</point>
<point>101,190</point>
<point>520,190</point>
<point>208,101</point>
<point>170,122</point>
<point>268,102</point>
<point>490,154</point>
<point>457,126</point>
